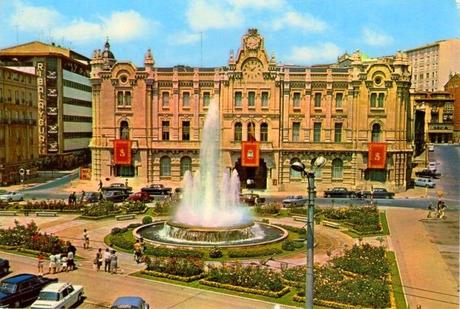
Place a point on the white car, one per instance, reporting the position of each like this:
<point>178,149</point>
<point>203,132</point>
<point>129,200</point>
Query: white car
<point>432,166</point>
<point>12,196</point>
<point>430,147</point>
<point>59,295</point>
<point>424,182</point>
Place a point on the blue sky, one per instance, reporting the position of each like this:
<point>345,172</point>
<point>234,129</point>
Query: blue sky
<point>202,32</point>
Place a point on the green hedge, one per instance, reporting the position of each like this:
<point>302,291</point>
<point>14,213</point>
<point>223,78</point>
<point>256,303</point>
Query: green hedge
<point>173,277</point>
<point>252,252</point>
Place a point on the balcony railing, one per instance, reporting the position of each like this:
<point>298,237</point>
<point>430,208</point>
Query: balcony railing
<point>440,127</point>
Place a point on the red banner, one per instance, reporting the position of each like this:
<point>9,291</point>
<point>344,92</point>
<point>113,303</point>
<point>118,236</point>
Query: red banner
<point>377,155</point>
<point>122,152</point>
<point>250,154</point>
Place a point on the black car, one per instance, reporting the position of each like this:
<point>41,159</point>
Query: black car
<point>91,197</point>
<point>376,193</point>
<point>20,290</point>
<point>115,195</point>
<point>340,192</point>
<point>157,189</point>
<point>426,173</point>
<point>4,267</point>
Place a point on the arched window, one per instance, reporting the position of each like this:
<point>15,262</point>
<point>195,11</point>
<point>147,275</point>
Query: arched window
<point>165,166</point>
<point>264,132</point>
<point>124,130</point>
<point>294,174</point>
<point>238,133</point>
<point>185,165</point>
<point>251,131</point>
<point>376,132</point>
<point>337,169</point>
<point>318,170</point>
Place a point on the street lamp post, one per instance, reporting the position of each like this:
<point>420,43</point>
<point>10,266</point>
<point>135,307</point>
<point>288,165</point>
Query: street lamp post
<point>300,167</point>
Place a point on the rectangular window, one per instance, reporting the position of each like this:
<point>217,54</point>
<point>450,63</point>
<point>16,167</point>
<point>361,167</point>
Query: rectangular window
<point>127,98</point>
<point>317,132</point>
<point>317,100</point>
<point>206,99</point>
<point>185,130</point>
<point>165,130</point>
<point>165,99</point>
<point>296,100</point>
<point>120,98</point>
<point>186,99</point>
<point>337,132</point>
<point>264,99</point>
<point>338,100</point>
<point>238,98</point>
<point>381,100</point>
<point>296,131</point>
<point>251,99</point>
<point>373,100</point>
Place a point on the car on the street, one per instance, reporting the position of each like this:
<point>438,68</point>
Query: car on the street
<point>430,147</point>
<point>339,192</point>
<point>432,166</point>
<point>115,196</point>
<point>140,196</point>
<point>252,199</point>
<point>426,173</point>
<point>91,197</point>
<point>20,290</point>
<point>294,201</point>
<point>12,196</point>
<point>4,267</point>
<point>117,186</point>
<point>59,295</point>
<point>157,189</point>
<point>424,182</point>
<point>375,193</point>
<point>129,302</point>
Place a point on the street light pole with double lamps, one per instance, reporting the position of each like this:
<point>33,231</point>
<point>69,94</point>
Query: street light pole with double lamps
<point>300,167</point>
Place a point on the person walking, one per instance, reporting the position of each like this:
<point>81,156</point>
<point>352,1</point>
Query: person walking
<point>40,263</point>
<point>85,239</point>
<point>107,260</point>
<point>430,210</point>
<point>100,185</point>
<point>113,262</point>
<point>442,209</point>
<point>70,261</point>
<point>137,251</point>
<point>98,259</point>
<point>52,264</point>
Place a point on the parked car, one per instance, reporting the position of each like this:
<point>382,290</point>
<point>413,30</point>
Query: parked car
<point>117,186</point>
<point>91,197</point>
<point>428,173</point>
<point>18,291</point>
<point>12,196</point>
<point>115,196</point>
<point>376,193</point>
<point>129,302</point>
<point>157,189</point>
<point>59,295</point>
<point>339,192</point>
<point>252,199</point>
<point>4,267</point>
<point>294,201</point>
<point>140,196</point>
<point>425,182</point>
<point>432,166</point>
<point>430,147</point>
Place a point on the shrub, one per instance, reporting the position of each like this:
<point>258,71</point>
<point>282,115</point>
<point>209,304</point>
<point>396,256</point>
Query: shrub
<point>133,206</point>
<point>215,253</point>
<point>103,208</point>
<point>147,220</point>
<point>252,252</point>
<point>119,240</point>
<point>163,207</point>
<point>169,252</point>
<point>178,266</point>
<point>290,245</point>
<point>290,228</point>
<point>117,230</point>
<point>268,209</point>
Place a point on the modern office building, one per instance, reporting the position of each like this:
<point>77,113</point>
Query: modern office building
<point>432,64</point>
<point>18,124</point>
<point>64,100</point>
<point>453,87</point>
<point>356,113</point>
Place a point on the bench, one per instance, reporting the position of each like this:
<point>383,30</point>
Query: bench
<point>7,213</point>
<point>125,217</point>
<point>331,224</point>
<point>46,214</point>
<point>299,218</point>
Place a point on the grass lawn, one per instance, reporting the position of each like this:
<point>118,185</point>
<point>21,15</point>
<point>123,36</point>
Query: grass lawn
<point>396,281</point>
<point>383,222</point>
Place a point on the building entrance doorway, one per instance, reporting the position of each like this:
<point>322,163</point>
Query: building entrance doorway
<point>258,175</point>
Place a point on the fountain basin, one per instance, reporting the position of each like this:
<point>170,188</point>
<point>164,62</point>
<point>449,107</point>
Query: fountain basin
<point>173,234</point>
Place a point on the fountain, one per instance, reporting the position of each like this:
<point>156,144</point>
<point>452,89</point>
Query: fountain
<point>211,214</point>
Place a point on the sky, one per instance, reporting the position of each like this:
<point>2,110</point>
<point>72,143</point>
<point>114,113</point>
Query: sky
<point>202,32</point>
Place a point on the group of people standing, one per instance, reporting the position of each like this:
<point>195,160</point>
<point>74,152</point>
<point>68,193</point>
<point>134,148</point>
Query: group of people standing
<point>58,262</point>
<point>109,258</point>
<point>439,211</point>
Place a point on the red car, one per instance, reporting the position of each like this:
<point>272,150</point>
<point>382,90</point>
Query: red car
<point>140,196</point>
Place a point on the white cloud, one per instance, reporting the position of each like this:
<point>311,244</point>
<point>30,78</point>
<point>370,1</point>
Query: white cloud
<point>184,38</point>
<point>375,38</point>
<point>258,4</point>
<point>206,14</point>
<point>303,22</point>
<point>321,53</point>
<point>31,18</point>
<point>126,25</point>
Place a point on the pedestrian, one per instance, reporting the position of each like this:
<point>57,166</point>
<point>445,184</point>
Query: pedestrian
<point>85,239</point>
<point>141,241</point>
<point>63,262</point>
<point>52,264</point>
<point>40,263</point>
<point>126,182</point>
<point>442,210</point>
<point>98,259</point>
<point>82,198</point>
<point>70,199</point>
<point>438,209</point>
<point>57,258</point>
<point>113,262</point>
<point>107,260</point>
<point>100,185</point>
<point>74,198</point>
<point>70,261</point>
<point>430,210</point>
<point>137,251</point>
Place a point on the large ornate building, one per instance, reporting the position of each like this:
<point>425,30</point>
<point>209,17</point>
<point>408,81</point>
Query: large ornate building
<point>152,117</point>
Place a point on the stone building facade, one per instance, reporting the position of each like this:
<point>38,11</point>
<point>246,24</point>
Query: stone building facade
<point>18,124</point>
<point>453,87</point>
<point>294,112</point>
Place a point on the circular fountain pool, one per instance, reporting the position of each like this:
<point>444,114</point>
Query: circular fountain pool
<point>173,234</point>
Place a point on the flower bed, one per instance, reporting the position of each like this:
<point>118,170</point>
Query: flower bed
<point>173,277</point>
<point>100,209</point>
<point>51,205</point>
<point>133,207</point>
<point>183,269</point>
<point>361,219</point>
<point>277,294</point>
<point>268,209</point>
<point>252,252</point>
